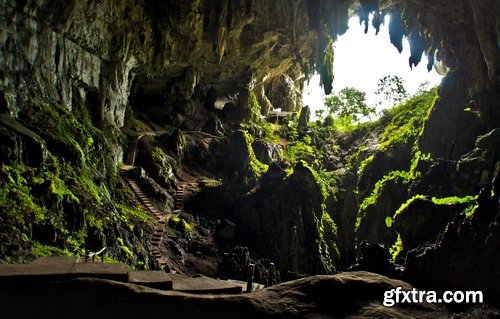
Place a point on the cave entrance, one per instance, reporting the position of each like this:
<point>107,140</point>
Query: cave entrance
<point>360,60</point>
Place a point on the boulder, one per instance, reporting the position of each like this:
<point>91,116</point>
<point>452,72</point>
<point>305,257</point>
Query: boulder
<point>463,255</point>
<point>266,152</point>
<point>422,220</point>
<point>304,117</point>
<point>375,258</point>
<point>282,221</point>
<point>372,227</point>
<point>20,144</point>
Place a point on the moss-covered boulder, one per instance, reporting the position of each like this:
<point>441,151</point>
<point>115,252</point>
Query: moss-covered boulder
<point>288,223</point>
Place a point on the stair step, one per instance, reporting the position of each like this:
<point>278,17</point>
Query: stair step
<point>162,261</point>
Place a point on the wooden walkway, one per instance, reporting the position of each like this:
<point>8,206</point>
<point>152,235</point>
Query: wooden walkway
<point>161,218</point>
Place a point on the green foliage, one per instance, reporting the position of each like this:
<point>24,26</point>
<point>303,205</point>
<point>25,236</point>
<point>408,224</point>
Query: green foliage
<point>408,203</point>
<point>211,183</point>
<point>300,150</point>
<point>349,105</point>
<point>405,122</point>
<point>388,221</point>
<point>254,108</point>
<point>42,250</point>
<point>125,249</point>
<point>365,163</point>
<point>402,176</point>
<point>257,167</point>
<point>132,215</point>
<point>396,248</point>
<point>470,210</point>
<point>454,200</point>
<point>181,225</point>
<point>270,132</point>
<point>391,91</point>
<point>19,207</point>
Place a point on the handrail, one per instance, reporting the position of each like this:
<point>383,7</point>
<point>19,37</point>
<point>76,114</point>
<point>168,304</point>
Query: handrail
<point>93,254</point>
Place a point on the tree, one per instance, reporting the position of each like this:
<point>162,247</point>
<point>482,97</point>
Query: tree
<point>391,91</point>
<point>349,104</point>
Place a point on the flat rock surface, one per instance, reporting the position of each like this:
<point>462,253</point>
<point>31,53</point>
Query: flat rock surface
<point>153,279</point>
<point>204,285</point>
<point>59,268</point>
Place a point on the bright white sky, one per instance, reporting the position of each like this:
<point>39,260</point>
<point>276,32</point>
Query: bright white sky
<point>361,59</point>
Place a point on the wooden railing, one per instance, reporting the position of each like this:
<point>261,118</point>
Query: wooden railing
<point>93,254</point>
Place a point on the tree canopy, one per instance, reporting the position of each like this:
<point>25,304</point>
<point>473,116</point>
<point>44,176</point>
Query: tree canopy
<point>350,104</point>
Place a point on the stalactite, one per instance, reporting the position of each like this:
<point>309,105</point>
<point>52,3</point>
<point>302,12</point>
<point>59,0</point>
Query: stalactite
<point>367,6</point>
<point>417,48</point>
<point>326,67</point>
<point>396,30</point>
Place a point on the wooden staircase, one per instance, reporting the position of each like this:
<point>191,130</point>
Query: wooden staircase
<point>179,198</point>
<point>156,238</point>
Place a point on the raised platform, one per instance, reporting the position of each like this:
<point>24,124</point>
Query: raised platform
<point>204,285</point>
<point>49,269</point>
<point>63,268</point>
<point>152,279</point>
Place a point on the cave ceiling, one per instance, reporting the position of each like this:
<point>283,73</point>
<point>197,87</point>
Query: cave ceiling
<point>229,45</point>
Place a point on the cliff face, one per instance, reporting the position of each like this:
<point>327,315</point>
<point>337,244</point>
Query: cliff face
<point>74,73</point>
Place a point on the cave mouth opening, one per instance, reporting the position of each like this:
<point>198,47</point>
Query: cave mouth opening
<point>361,60</point>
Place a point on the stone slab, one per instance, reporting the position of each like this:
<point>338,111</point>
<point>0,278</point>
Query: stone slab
<point>63,268</point>
<point>243,285</point>
<point>203,285</point>
<point>153,279</point>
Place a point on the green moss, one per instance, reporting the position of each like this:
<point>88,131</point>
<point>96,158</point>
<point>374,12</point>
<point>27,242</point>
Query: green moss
<point>132,214</point>
<point>470,210</point>
<point>408,203</point>
<point>270,132</point>
<point>124,248</point>
<point>180,225</point>
<point>364,163</point>
<point>388,221</point>
<point>396,248</point>
<point>402,176</point>
<point>254,108</point>
<point>406,120</point>
<point>257,167</point>
<point>42,250</point>
<point>398,176</point>
<point>211,183</point>
<point>300,150</point>
<point>20,208</point>
<point>454,200</point>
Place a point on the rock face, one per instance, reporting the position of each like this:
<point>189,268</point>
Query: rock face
<point>463,254</point>
<point>282,220</point>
